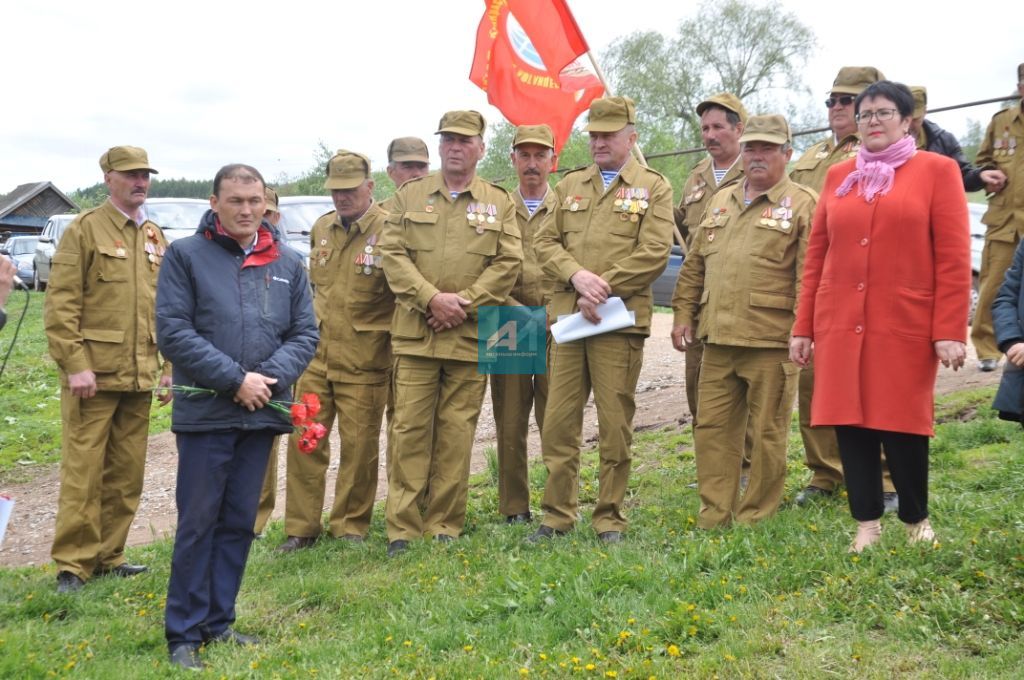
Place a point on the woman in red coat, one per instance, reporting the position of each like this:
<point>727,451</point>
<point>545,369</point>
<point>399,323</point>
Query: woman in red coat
<point>884,298</point>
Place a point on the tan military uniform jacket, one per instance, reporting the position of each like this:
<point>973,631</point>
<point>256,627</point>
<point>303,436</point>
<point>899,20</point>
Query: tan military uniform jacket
<point>100,303</point>
<point>351,298</point>
<point>388,204</point>
<point>533,287</point>
<point>742,275</point>
<point>812,167</point>
<point>697,192</point>
<point>431,245</point>
<point>1003,148</point>
<point>623,235</point>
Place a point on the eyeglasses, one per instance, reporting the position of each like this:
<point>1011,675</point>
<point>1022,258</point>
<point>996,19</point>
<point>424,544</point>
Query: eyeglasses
<point>881,115</point>
<point>844,100</point>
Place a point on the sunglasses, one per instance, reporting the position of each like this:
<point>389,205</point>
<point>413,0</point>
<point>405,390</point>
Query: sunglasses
<point>844,100</point>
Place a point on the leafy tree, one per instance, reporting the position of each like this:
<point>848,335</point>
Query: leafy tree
<point>755,52</point>
<point>971,141</point>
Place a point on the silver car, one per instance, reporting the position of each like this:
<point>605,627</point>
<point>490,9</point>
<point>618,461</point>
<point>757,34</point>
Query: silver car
<point>46,247</point>
<point>298,213</point>
<point>20,249</point>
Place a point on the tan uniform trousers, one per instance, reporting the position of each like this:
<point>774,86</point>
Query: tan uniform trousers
<point>737,385</point>
<point>995,260</point>
<point>821,450</point>
<point>359,410</point>
<point>694,355</point>
<point>437,404</point>
<point>610,365</point>
<point>513,397</point>
<point>103,458</point>
<point>268,494</point>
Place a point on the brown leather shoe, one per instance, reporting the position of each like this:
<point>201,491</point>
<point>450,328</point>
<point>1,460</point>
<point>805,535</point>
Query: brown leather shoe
<point>296,543</point>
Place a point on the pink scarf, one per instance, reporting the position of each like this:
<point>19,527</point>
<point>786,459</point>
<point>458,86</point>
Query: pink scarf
<point>876,170</point>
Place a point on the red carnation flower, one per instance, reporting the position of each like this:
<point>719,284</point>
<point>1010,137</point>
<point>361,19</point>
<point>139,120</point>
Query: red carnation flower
<point>312,403</point>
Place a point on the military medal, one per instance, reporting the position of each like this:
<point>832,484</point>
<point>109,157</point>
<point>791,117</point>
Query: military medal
<point>120,252</point>
<point>367,270</point>
<point>368,250</point>
<point>711,236</point>
<point>492,210</point>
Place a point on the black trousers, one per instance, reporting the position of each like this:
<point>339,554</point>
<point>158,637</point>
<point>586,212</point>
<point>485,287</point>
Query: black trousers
<point>219,479</point>
<point>907,455</point>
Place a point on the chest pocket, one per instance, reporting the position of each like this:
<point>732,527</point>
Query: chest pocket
<point>575,215</point>
<point>483,238</point>
<point>420,232</point>
<point>770,243</point>
<point>321,265</point>
<point>711,235</point>
<point>111,265</point>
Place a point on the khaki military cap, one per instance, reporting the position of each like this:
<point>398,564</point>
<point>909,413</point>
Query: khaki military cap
<point>534,134</point>
<point>855,79</point>
<point>920,101</point>
<point>125,159</point>
<point>270,196</point>
<point>771,128</point>
<point>466,123</point>
<point>611,114</point>
<point>347,170</point>
<point>727,101</point>
<point>409,149</point>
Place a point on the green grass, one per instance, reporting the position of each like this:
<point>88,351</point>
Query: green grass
<point>780,599</point>
<point>30,395</point>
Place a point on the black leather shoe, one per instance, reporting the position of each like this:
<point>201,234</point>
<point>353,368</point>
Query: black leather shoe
<point>123,570</point>
<point>234,637</point>
<point>396,548</point>
<point>187,656</point>
<point>610,536</point>
<point>519,518</point>
<point>812,493</point>
<point>890,501</point>
<point>543,533</point>
<point>296,543</point>
<point>444,538</point>
<point>68,582</point>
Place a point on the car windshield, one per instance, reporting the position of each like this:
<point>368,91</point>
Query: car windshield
<point>183,216</point>
<point>297,218</point>
<point>22,246</point>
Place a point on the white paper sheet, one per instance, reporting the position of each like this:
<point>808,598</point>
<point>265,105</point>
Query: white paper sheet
<point>614,316</point>
<point>6,506</point>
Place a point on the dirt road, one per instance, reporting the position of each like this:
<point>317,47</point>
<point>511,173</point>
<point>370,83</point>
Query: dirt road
<point>660,400</point>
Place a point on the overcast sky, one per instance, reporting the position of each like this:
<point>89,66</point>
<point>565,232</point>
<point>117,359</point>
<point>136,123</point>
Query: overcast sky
<point>201,84</point>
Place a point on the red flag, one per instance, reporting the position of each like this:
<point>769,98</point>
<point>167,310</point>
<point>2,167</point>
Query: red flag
<point>527,60</point>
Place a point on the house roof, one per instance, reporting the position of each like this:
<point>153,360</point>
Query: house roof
<point>24,193</point>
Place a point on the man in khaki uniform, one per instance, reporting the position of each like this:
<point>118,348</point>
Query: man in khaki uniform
<point>268,494</point>
<point>742,276</point>
<point>514,396</point>
<point>408,159</point>
<point>609,235</point>
<point>352,365</point>
<point>1001,150</point>
<point>101,328</point>
<point>821,451</point>
<point>721,123</point>
<point>451,246</point>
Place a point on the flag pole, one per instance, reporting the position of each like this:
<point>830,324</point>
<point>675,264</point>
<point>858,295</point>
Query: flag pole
<point>635,150</point>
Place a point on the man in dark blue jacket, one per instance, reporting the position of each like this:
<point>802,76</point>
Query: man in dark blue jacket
<point>234,315</point>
